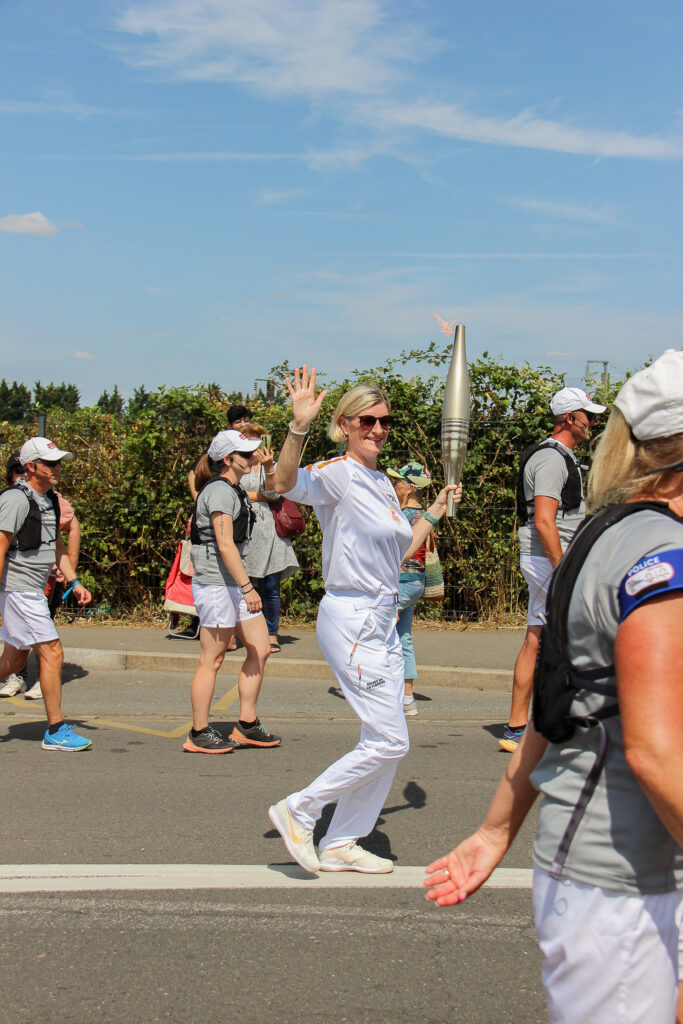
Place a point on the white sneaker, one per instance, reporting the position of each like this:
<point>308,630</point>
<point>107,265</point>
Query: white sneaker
<point>13,685</point>
<point>297,839</point>
<point>410,707</point>
<point>353,857</point>
<point>35,693</point>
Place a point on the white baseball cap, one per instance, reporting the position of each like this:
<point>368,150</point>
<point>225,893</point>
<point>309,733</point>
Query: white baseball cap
<point>571,400</point>
<point>42,448</point>
<point>651,401</point>
<point>229,441</point>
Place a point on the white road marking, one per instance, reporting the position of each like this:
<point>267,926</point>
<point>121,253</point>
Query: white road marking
<point>122,877</point>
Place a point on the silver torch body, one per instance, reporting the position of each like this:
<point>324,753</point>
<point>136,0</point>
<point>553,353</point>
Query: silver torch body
<point>455,415</point>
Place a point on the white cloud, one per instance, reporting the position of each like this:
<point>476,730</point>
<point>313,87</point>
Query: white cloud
<point>273,197</point>
<point>72,108</point>
<point>592,214</point>
<point>28,224</point>
<point>83,355</point>
<point>292,47</point>
<point>354,54</point>
<point>524,130</point>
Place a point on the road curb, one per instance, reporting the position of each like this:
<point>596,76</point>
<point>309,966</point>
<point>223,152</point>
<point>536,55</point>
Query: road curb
<point>283,668</point>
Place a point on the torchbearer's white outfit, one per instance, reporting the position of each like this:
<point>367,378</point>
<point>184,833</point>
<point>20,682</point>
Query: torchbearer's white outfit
<point>365,538</point>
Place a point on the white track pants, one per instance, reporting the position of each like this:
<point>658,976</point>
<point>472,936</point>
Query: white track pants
<point>359,640</point>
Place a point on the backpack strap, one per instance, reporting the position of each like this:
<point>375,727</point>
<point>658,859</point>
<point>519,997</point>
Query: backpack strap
<point>588,787</point>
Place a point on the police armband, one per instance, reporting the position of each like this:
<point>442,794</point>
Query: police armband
<point>656,574</point>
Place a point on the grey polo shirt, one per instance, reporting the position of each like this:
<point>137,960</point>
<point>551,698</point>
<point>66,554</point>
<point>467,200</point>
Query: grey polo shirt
<point>27,570</point>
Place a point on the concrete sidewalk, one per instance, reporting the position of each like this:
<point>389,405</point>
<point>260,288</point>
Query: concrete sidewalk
<point>473,658</point>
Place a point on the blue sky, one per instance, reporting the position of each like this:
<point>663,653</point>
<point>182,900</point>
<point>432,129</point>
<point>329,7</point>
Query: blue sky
<point>196,190</point>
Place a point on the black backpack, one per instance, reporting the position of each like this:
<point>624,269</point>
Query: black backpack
<point>242,523</point>
<point>556,681</point>
<point>29,535</point>
<point>571,493</point>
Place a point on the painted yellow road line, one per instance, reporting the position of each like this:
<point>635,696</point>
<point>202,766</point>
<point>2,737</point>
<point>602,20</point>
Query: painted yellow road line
<point>226,701</point>
<point>127,727</point>
<point>173,734</point>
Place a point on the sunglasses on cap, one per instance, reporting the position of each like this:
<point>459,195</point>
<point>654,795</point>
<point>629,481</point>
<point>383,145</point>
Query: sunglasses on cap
<point>368,422</point>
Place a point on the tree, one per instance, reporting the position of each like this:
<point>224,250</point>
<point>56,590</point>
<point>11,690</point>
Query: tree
<point>141,400</point>
<point>111,403</point>
<point>15,401</point>
<point>56,396</point>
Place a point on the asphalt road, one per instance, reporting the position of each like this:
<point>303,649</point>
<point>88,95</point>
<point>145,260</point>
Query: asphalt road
<point>313,952</point>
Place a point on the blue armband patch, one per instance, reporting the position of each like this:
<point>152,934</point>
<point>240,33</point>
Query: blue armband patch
<point>651,576</point>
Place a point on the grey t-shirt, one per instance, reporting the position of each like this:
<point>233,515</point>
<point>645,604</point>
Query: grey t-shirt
<point>209,567</point>
<point>268,552</point>
<point>621,842</point>
<point>545,474</point>
<point>27,570</point>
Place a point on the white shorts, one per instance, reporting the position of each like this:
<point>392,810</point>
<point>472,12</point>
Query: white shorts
<point>610,957</point>
<point>537,570</point>
<point>220,607</point>
<point>26,619</point>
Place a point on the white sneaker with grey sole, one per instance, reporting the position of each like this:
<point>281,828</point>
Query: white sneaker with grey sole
<point>35,693</point>
<point>353,857</point>
<point>13,685</point>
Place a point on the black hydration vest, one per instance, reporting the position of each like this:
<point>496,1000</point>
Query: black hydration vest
<point>571,493</point>
<point>29,535</point>
<point>556,681</point>
<point>242,523</point>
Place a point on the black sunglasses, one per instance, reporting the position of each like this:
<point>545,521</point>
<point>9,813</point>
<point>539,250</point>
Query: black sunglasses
<point>368,422</point>
<point>50,462</point>
<point>246,455</point>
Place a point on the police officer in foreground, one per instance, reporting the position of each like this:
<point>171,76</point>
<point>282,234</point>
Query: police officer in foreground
<point>608,855</point>
<point>30,545</point>
<point>550,507</point>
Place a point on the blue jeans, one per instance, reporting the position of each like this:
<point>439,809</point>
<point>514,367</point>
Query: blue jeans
<point>409,593</point>
<point>269,589</point>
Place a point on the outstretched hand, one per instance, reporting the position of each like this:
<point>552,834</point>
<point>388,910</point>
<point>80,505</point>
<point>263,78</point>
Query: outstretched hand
<point>305,405</point>
<point>462,871</point>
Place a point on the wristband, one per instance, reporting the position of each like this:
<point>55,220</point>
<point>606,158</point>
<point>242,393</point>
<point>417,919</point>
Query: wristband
<point>298,433</point>
<point>431,519</point>
<point>70,586</point>
<point>249,584</point>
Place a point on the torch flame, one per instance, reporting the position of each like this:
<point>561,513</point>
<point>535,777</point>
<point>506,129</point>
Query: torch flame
<point>446,325</point>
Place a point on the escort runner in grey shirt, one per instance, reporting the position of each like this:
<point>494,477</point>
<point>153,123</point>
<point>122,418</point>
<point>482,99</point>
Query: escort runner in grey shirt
<point>209,567</point>
<point>545,474</point>
<point>620,836</point>
<point>27,570</point>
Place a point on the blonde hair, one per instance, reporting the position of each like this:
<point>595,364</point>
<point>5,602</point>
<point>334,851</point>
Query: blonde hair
<point>624,468</point>
<point>353,402</point>
<point>253,431</point>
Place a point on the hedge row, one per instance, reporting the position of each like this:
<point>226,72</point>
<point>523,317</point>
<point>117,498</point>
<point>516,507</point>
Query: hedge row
<point>128,481</point>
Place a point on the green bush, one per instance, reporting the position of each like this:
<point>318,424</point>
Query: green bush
<point>128,481</point>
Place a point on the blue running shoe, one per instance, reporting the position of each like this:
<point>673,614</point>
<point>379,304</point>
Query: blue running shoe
<point>65,739</point>
<point>511,739</point>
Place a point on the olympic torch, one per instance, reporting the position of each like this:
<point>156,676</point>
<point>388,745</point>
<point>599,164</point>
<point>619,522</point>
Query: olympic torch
<point>455,415</point>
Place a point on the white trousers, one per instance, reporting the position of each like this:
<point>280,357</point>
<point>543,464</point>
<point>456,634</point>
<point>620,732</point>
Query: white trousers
<point>359,640</point>
<point>610,957</point>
